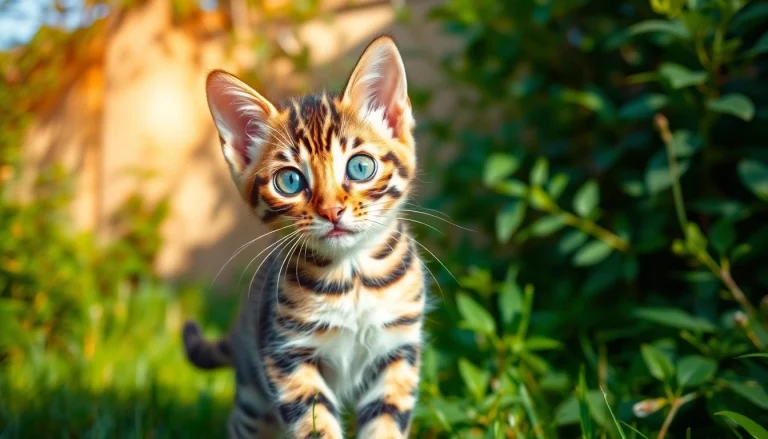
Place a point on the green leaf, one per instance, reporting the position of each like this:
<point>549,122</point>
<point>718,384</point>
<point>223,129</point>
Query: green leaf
<point>751,426</point>
<point>540,199</point>
<point>586,199</point>
<point>756,355</point>
<point>597,408</point>
<point>587,99</point>
<point>722,236</point>
<point>761,46</point>
<point>694,370</point>
<point>685,143</point>
<point>675,318</point>
<point>740,251</point>
<point>547,225</point>
<point>429,364</point>
<point>753,393</point>
<point>659,365</point>
<point>512,188</point>
<point>670,27</point>
<point>735,104</point>
<point>567,412</point>
<point>448,412</point>
<point>539,343</point>
<point>584,416</point>
<point>496,431</point>
<point>681,77</point>
<point>659,176</point>
<point>479,280</point>
<point>754,175</point>
<point>540,172</point>
<point>474,378</point>
<point>643,107</point>
<point>509,220</point>
<point>475,316</point>
<point>749,17</point>
<point>592,253</point>
<point>694,239</point>
<point>510,301</point>
<point>557,185</point>
<point>571,241</point>
<point>498,167</point>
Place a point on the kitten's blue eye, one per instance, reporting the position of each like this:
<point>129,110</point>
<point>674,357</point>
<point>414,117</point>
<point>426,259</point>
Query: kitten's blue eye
<point>360,167</point>
<point>289,181</point>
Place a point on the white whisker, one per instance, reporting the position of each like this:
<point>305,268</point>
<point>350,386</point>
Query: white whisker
<point>243,247</point>
<point>260,253</point>
<point>417,258</point>
<point>433,216</point>
<point>412,220</point>
<point>297,241</point>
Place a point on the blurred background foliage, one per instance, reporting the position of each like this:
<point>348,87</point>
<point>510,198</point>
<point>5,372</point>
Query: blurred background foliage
<point>610,157</point>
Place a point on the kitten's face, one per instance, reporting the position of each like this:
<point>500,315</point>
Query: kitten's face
<point>335,167</point>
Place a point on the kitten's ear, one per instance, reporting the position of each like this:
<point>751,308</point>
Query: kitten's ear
<point>241,116</point>
<point>378,91</point>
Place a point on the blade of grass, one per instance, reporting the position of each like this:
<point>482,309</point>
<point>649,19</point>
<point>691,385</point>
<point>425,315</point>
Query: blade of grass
<point>634,430</point>
<point>615,421</point>
<point>735,431</point>
<point>751,426</point>
<point>760,355</point>
<point>525,397</point>
<point>584,416</point>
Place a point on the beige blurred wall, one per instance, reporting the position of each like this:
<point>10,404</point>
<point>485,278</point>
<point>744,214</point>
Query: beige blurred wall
<point>142,112</point>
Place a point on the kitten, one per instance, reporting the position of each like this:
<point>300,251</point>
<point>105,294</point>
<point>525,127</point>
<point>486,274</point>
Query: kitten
<point>335,312</point>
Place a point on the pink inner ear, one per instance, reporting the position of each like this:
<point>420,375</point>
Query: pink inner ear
<point>250,130</point>
<point>393,115</point>
<point>240,115</point>
<point>379,84</point>
<point>387,95</point>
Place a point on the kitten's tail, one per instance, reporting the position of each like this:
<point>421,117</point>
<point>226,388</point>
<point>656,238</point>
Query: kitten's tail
<point>204,353</point>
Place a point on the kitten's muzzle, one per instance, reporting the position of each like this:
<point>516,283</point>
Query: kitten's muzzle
<point>332,213</point>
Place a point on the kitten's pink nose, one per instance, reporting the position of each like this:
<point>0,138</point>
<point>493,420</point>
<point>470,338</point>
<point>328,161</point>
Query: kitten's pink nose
<point>331,213</point>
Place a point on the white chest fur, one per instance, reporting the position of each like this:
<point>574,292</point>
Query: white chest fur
<point>358,338</point>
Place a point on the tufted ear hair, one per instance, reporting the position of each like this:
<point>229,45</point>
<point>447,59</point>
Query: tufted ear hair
<point>378,90</point>
<point>242,118</point>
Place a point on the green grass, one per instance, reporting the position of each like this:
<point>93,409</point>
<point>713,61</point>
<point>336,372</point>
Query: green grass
<point>125,379</point>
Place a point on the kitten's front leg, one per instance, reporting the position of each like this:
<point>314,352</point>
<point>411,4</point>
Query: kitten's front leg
<point>385,407</point>
<point>306,406</point>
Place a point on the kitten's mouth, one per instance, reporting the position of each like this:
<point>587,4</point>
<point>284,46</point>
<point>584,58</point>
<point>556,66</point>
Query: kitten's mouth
<point>337,232</point>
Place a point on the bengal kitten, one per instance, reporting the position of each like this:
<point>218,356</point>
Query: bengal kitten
<point>335,312</point>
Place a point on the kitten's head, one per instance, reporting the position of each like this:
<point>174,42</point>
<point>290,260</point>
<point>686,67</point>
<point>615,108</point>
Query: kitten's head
<point>336,167</point>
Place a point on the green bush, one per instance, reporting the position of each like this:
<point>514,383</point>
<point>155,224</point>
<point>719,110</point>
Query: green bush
<point>90,342</point>
<point>616,151</point>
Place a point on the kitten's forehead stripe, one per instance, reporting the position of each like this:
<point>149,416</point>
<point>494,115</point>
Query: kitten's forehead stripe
<point>313,122</point>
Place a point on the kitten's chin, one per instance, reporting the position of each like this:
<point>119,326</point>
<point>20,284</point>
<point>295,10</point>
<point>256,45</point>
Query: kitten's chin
<point>340,245</point>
